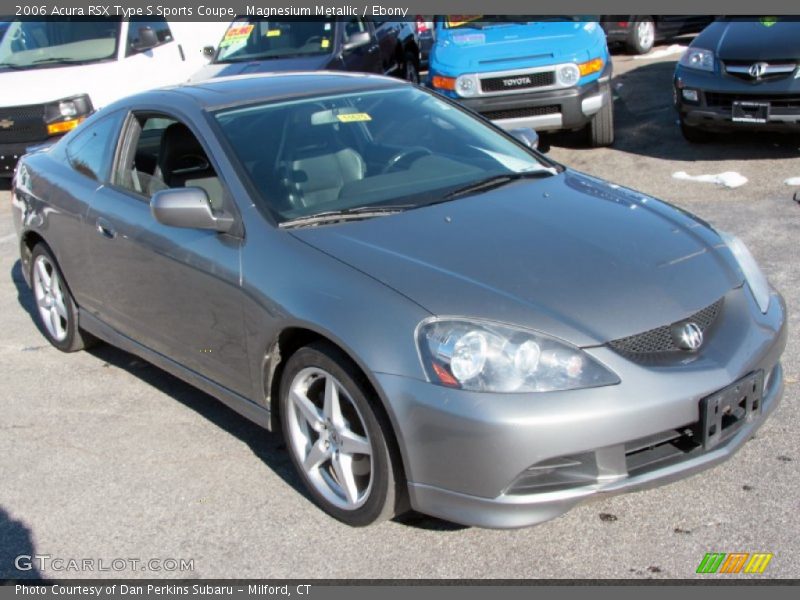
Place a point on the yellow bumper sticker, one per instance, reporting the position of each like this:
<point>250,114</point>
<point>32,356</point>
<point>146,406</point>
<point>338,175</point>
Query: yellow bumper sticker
<point>273,32</point>
<point>353,117</point>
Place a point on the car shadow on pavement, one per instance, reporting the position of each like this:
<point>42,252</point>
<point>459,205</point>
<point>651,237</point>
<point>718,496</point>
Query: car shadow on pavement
<point>269,447</point>
<point>16,550</point>
<point>646,124</point>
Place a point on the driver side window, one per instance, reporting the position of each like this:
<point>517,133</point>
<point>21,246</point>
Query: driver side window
<point>163,153</point>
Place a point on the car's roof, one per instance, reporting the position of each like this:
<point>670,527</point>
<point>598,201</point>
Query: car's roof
<point>223,92</point>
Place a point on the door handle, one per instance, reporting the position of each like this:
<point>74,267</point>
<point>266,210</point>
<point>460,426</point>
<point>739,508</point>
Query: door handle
<point>105,228</point>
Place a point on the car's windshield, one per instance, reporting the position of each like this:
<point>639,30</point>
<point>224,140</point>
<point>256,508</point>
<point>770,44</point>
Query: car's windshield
<point>30,44</point>
<point>398,147</point>
<point>482,21</point>
<point>258,39</point>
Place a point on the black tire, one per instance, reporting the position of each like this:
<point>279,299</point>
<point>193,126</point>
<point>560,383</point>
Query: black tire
<point>637,43</point>
<point>410,69</point>
<point>601,128</point>
<point>74,337</point>
<point>386,494</point>
<point>695,135</point>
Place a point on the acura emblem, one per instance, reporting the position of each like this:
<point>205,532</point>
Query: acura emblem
<point>687,336</point>
<point>6,124</point>
<point>758,70</point>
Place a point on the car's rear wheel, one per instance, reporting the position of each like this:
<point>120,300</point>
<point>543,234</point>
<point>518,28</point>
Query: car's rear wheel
<point>336,439</point>
<point>642,35</point>
<point>55,308</point>
<point>695,135</point>
<point>601,128</point>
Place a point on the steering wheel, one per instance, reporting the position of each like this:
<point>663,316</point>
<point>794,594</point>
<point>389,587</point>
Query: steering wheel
<point>408,155</point>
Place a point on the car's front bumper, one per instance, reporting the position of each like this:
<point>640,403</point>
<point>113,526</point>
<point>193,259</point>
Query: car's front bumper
<point>566,108</point>
<point>466,453</point>
<point>9,155</point>
<point>713,110</point>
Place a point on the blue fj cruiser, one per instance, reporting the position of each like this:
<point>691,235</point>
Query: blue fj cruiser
<point>548,74</point>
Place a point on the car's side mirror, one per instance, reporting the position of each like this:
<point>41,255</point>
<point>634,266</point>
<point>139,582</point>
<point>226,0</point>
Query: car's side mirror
<point>189,208</point>
<point>209,51</point>
<point>357,40</point>
<point>147,39</point>
<point>527,136</point>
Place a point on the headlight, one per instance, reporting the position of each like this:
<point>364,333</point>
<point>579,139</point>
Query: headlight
<point>698,58</point>
<point>466,85</point>
<point>755,278</point>
<point>64,115</point>
<point>487,357</point>
<point>568,75</point>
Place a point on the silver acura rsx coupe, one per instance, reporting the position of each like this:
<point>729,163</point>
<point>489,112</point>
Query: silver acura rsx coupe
<point>435,315</point>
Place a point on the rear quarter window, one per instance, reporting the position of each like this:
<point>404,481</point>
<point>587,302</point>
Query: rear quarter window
<point>91,150</point>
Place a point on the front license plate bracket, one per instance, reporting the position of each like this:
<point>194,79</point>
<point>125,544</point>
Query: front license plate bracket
<point>750,112</point>
<point>725,411</point>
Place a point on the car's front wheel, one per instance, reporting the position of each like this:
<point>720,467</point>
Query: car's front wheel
<point>336,439</point>
<point>55,307</point>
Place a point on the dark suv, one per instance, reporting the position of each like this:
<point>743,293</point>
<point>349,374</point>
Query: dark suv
<point>256,45</point>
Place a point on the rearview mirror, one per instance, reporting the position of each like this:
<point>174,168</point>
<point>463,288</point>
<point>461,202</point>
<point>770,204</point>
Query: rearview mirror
<point>189,208</point>
<point>362,38</point>
<point>527,136</point>
<point>147,39</point>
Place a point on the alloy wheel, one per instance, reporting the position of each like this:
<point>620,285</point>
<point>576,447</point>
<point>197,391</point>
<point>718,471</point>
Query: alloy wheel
<point>645,33</point>
<point>328,436</point>
<point>50,298</point>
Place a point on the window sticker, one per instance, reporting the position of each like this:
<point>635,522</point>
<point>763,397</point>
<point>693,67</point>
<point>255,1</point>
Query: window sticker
<point>273,33</point>
<point>327,26</point>
<point>353,117</point>
<point>236,34</point>
<point>325,43</point>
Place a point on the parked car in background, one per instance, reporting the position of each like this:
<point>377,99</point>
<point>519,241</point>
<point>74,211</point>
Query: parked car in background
<point>259,45</point>
<point>54,73</point>
<point>546,73</point>
<point>426,31</point>
<point>639,33</point>
<point>740,74</point>
<point>435,315</point>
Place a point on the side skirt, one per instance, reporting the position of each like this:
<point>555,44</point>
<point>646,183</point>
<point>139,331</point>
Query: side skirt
<point>248,409</point>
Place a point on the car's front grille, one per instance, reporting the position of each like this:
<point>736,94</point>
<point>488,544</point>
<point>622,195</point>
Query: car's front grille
<point>659,340</point>
<point>521,113</point>
<point>20,124</point>
<point>783,103</point>
<point>770,71</point>
<point>521,81</point>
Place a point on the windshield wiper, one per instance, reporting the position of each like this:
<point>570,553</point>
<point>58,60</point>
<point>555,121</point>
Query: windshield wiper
<point>495,181</point>
<point>346,214</point>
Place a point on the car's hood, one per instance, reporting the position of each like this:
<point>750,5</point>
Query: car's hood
<point>305,63</point>
<point>569,255</point>
<point>512,46</point>
<point>764,39</point>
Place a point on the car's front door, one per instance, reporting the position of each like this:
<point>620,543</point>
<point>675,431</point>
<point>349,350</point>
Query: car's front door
<point>173,290</point>
<point>365,58</point>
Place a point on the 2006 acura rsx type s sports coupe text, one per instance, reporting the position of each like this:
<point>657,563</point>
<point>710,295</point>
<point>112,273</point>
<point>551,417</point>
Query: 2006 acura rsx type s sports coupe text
<point>435,315</point>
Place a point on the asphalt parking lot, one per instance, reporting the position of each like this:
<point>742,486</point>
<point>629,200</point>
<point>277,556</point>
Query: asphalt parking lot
<point>103,456</point>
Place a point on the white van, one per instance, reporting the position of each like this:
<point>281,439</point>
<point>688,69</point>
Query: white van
<point>54,73</point>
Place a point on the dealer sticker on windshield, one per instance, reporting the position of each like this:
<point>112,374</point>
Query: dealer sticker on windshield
<point>353,117</point>
<point>237,34</point>
<point>273,33</point>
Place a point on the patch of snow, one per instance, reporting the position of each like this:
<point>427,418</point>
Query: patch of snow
<point>729,179</point>
<point>670,50</point>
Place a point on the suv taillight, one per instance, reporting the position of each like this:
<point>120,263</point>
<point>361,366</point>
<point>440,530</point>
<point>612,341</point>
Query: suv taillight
<point>422,25</point>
